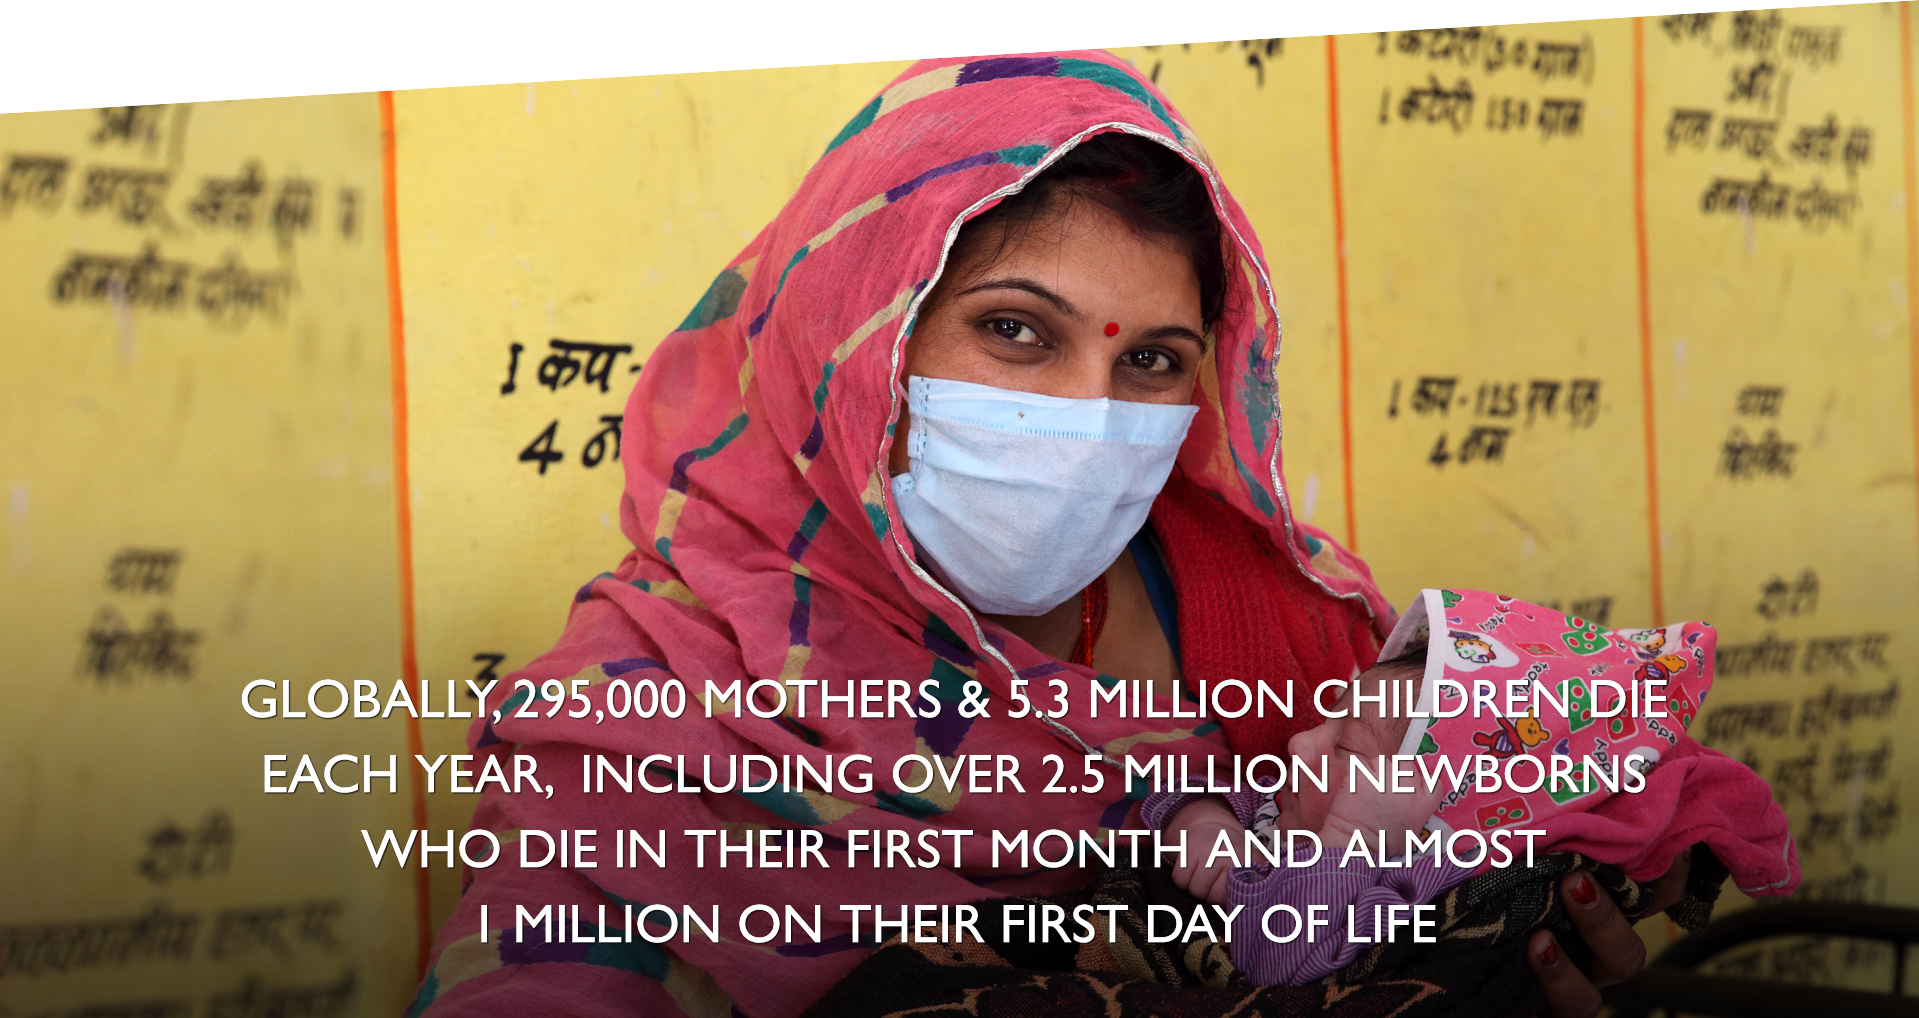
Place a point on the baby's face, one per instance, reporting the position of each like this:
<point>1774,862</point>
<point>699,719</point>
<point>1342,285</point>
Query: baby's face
<point>1341,738</point>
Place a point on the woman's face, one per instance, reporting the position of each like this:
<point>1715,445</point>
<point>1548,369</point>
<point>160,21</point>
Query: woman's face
<point>1083,306</point>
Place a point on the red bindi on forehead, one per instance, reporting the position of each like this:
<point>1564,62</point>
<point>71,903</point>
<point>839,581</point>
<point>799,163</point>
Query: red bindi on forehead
<point>1112,328</point>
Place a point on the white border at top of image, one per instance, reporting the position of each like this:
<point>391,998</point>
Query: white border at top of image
<point>124,53</point>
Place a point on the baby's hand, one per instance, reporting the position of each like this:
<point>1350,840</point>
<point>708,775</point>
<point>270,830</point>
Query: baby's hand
<point>1335,814</point>
<point>1202,820</point>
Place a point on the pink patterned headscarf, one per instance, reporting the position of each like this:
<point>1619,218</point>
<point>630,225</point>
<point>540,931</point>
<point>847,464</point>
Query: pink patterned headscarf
<point>767,547</point>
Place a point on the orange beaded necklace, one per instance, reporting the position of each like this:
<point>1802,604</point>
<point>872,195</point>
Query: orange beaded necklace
<point>1092,619</point>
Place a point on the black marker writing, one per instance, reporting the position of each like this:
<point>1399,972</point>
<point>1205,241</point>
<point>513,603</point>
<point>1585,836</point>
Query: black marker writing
<point>512,369</point>
<point>1760,401</point>
<point>129,124</point>
<point>143,570</point>
<point>135,195</point>
<point>1743,458</point>
<point>561,367</point>
<point>1779,598</point>
<point>113,650</point>
<point>173,851</point>
<point>33,180</point>
<point>228,202</point>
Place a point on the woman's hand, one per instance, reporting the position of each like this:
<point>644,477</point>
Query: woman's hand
<point>1202,820</point>
<point>1618,953</point>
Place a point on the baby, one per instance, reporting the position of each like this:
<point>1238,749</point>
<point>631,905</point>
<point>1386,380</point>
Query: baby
<point>1619,782</point>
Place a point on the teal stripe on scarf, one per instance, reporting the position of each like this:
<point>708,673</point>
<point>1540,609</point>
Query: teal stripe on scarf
<point>819,391</point>
<point>854,126</point>
<point>1118,80</point>
<point>1261,500</point>
<point>720,301</point>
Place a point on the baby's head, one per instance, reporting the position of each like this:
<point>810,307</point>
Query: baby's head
<point>1368,736</point>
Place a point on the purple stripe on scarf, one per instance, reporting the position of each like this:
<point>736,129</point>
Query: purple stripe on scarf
<point>982,159</point>
<point>831,945</point>
<point>1007,67</point>
<point>614,669</point>
<point>957,654</point>
<point>944,731</point>
<point>681,464</point>
<point>1115,814</point>
<point>814,439</point>
<point>796,626</point>
<point>531,952</point>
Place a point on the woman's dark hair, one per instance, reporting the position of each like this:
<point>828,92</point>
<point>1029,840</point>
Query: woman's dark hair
<point>1149,186</point>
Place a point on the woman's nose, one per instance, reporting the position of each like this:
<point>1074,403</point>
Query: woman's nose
<point>1085,375</point>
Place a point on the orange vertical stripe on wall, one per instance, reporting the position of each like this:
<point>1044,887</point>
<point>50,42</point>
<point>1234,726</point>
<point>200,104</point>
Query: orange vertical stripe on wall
<point>403,508</point>
<point>1339,263</point>
<point>1912,214</point>
<point>1654,537</point>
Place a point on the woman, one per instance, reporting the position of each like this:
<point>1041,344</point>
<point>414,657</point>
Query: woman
<point>885,449</point>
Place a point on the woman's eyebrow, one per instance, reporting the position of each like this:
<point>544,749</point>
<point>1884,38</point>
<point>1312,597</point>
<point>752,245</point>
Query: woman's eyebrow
<point>1060,304</point>
<point>1176,332</point>
<point>1066,307</point>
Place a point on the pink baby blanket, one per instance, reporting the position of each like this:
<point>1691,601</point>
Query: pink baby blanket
<point>1600,717</point>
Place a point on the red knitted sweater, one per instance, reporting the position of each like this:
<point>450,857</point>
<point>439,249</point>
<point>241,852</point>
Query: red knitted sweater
<point>1246,612</point>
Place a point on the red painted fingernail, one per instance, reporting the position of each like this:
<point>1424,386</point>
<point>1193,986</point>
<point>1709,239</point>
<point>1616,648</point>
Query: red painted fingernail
<point>1112,328</point>
<point>1550,956</point>
<point>1583,890</point>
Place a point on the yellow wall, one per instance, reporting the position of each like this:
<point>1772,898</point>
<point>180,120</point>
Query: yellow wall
<point>1469,243</point>
<point>254,444</point>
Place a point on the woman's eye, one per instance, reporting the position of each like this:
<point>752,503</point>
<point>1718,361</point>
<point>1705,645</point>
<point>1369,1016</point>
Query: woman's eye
<point>1149,360</point>
<point>1013,331</point>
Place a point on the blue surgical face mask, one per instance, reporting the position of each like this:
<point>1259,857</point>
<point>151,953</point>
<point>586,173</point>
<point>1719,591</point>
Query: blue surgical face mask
<point>1020,500</point>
